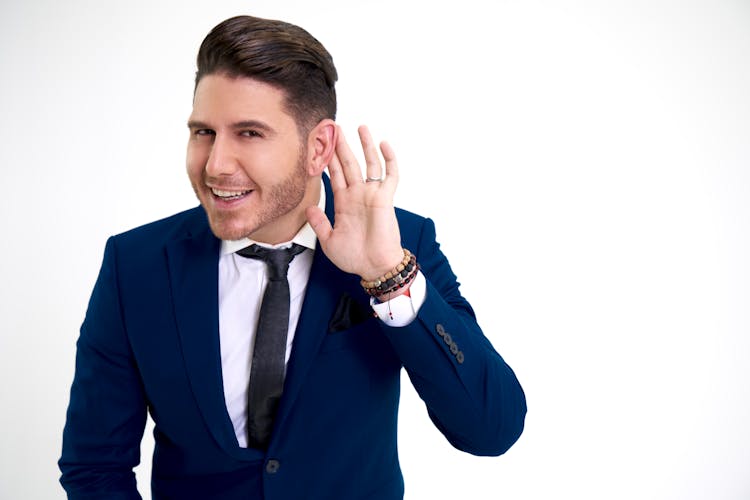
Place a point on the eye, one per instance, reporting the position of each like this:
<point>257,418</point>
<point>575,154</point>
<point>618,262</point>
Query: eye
<point>204,131</point>
<point>250,133</point>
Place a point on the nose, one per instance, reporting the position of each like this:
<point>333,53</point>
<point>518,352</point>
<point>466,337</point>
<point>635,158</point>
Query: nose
<point>222,160</point>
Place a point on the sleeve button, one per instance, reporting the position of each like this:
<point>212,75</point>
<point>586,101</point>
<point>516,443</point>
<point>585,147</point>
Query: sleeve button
<point>272,466</point>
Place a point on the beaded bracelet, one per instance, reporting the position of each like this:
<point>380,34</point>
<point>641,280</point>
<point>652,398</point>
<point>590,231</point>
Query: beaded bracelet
<point>408,279</point>
<point>395,282</point>
<point>408,257</point>
<point>382,286</point>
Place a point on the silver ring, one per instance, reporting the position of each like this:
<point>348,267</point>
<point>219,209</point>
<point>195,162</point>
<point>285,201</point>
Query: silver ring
<point>371,179</point>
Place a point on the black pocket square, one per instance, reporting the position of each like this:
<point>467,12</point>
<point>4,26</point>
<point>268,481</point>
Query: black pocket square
<point>348,313</point>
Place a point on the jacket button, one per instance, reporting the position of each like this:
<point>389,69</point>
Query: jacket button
<point>440,330</point>
<point>460,357</point>
<point>272,466</point>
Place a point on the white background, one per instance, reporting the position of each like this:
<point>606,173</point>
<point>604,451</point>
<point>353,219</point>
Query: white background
<point>605,147</point>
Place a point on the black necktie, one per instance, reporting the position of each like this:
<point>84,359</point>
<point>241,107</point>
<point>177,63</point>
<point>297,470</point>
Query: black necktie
<point>269,353</point>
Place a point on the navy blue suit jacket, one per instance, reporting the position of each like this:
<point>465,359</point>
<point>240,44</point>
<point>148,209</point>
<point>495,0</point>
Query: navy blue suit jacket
<point>150,342</point>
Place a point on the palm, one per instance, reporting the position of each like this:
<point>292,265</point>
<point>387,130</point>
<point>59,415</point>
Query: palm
<point>365,239</point>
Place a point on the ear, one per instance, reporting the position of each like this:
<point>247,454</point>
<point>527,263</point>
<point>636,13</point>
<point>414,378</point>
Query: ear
<point>321,145</point>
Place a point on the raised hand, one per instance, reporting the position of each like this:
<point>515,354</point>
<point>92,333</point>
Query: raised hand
<point>365,238</point>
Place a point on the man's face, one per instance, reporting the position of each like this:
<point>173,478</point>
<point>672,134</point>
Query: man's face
<point>245,160</point>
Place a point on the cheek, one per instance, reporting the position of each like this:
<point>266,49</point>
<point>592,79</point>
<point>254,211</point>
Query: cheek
<point>271,165</point>
<point>195,162</point>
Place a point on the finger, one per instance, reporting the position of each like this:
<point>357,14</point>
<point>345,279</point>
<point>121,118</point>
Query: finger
<point>349,165</point>
<point>374,170</point>
<point>337,175</point>
<point>319,223</point>
<point>391,165</point>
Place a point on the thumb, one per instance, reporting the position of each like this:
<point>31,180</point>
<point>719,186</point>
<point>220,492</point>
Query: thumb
<point>319,223</point>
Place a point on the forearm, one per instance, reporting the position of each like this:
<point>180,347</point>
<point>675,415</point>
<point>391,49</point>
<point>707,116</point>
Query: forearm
<point>85,483</point>
<point>107,410</point>
<point>472,395</point>
<point>100,443</point>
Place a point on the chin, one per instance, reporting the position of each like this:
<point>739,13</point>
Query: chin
<point>229,233</point>
<point>228,229</point>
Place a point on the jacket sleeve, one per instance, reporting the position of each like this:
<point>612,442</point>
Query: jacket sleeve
<point>107,410</point>
<point>472,395</point>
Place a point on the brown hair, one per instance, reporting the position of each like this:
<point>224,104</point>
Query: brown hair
<point>279,54</point>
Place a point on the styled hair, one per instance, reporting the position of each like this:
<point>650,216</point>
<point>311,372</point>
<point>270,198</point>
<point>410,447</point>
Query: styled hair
<point>277,53</point>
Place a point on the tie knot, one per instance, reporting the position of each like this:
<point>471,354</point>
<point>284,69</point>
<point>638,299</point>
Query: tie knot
<point>277,259</point>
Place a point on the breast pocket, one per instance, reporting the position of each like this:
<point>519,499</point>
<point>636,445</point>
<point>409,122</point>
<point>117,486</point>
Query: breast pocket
<point>358,336</point>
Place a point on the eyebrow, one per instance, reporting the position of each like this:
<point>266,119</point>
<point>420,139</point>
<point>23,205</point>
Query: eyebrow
<point>197,124</point>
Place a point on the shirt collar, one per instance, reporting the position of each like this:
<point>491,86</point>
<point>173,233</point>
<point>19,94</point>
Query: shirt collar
<point>305,236</point>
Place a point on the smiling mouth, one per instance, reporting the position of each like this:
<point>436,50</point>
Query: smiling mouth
<point>229,195</point>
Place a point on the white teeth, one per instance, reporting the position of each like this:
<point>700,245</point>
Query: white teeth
<point>228,194</point>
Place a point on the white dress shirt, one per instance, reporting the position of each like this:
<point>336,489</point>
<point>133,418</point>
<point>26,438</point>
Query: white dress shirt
<point>242,282</point>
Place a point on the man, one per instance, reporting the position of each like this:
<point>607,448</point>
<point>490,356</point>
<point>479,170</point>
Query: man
<point>178,323</point>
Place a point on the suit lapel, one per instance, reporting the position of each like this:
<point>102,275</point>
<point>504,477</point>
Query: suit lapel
<point>193,273</point>
<point>194,276</point>
<point>321,297</point>
<point>320,301</point>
